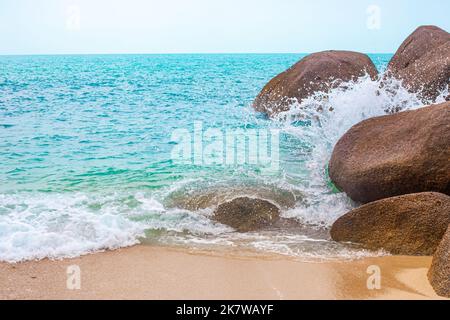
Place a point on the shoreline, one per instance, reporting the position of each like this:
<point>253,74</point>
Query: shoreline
<point>153,272</point>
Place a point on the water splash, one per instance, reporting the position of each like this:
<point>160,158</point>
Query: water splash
<point>328,116</point>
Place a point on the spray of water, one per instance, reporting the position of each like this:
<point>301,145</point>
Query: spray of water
<point>328,117</point>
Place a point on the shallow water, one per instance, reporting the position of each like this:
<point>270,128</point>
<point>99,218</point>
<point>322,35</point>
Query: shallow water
<point>86,156</point>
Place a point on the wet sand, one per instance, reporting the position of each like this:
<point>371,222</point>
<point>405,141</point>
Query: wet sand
<point>148,272</point>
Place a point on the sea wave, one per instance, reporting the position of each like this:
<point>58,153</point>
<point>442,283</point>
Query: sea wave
<point>36,225</point>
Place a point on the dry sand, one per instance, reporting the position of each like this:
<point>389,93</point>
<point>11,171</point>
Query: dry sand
<point>147,272</point>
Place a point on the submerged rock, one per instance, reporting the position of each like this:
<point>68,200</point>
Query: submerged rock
<point>423,61</point>
<point>317,72</point>
<point>246,214</point>
<point>411,224</point>
<point>406,152</point>
<point>201,197</point>
<point>439,273</point>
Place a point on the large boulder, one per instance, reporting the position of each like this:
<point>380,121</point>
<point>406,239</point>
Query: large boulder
<point>317,72</point>
<point>406,152</point>
<point>439,273</point>
<point>247,214</point>
<point>412,224</point>
<point>423,62</point>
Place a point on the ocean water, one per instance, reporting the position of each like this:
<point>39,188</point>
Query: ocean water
<point>86,153</point>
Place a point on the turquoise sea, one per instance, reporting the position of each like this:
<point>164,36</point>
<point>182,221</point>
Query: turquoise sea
<point>86,148</point>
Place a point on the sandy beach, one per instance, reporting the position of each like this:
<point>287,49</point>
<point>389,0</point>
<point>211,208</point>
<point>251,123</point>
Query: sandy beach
<point>147,272</point>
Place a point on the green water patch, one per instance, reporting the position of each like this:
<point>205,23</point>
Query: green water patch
<point>330,183</point>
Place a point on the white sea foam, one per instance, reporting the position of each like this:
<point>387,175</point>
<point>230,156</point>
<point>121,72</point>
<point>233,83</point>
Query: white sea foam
<point>60,225</point>
<point>42,225</point>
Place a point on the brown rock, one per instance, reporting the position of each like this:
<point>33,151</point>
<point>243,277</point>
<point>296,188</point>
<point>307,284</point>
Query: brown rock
<point>315,73</point>
<point>411,224</point>
<point>423,61</point>
<point>396,154</point>
<point>439,273</point>
<point>247,214</point>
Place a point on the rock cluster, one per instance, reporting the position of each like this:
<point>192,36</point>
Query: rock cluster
<point>398,165</point>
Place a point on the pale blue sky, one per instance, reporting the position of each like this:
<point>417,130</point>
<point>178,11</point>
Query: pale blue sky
<point>173,26</point>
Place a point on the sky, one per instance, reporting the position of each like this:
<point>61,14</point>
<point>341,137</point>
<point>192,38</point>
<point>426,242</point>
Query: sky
<point>212,26</point>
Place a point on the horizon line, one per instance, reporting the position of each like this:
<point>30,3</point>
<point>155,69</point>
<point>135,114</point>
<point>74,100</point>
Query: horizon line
<point>169,53</point>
